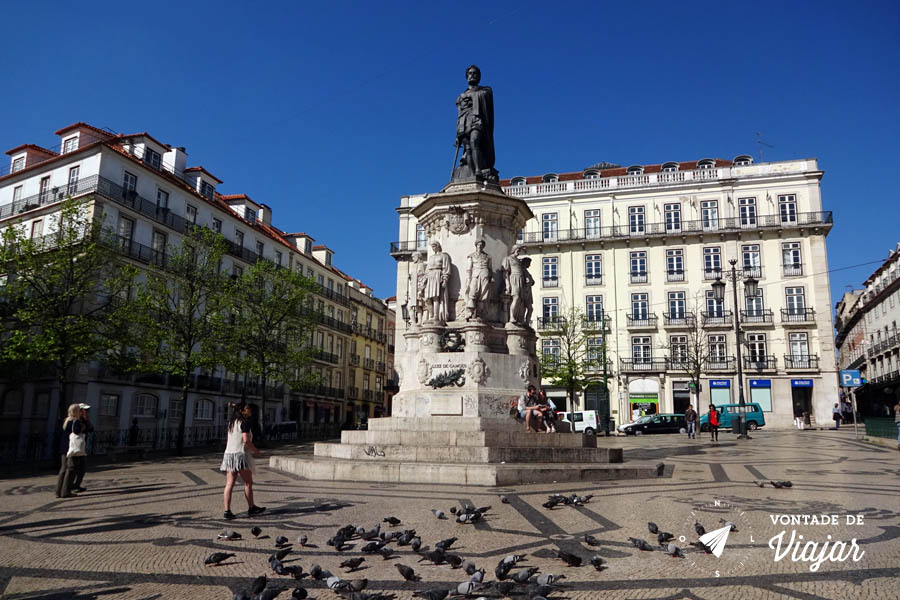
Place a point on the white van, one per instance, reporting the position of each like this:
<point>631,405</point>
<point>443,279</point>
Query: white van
<point>585,420</point>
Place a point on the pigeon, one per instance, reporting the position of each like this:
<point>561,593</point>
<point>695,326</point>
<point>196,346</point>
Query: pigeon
<point>346,531</point>
<point>465,588</point>
<point>597,562</point>
<point>256,531</point>
<point>701,531</point>
<point>302,540</point>
<point>229,534</point>
<point>372,547</point>
<point>270,593</point>
<point>674,551</point>
<point>217,557</point>
<point>569,559</point>
<point>298,593</point>
<point>781,484</point>
<point>523,575</point>
<point>482,510</point>
<point>653,527</point>
<point>432,594</point>
<point>702,546</point>
<point>504,587</point>
<point>352,563</point>
<point>445,544</point>
<point>283,552</point>
<point>477,576</point>
<point>468,566</point>
<point>336,583</point>
<point>548,578</point>
<point>468,517</point>
<point>357,585</point>
<point>453,510</point>
<point>640,544</point>
<point>276,565</point>
<point>730,524</point>
<point>315,571</point>
<point>386,552</point>
<point>760,483</point>
<point>281,541</point>
<point>407,572</point>
<point>435,556</point>
<point>415,544</point>
<point>512,559</point>
<point>438,513</point>
<point>504,499</point>
<point>406,537</point>
<point>664,536</point>
<point>584,499</point>
<point>372,596</point>
<point>372,533</point>
<point>787,484</point>
<point>550,504</point>
<point>591,540</point>
<point>392,521</point>
<point>258,585</point>
<point>295,571</point>
<point>502,571</point>
<point>453,560</point>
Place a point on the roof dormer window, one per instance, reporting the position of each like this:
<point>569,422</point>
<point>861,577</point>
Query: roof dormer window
<point>706,163</point>
<point>152,158</point>
<point>592,174</point>
<point>550,178</point>
<point>636,170</point>
<point>743,160</point>
<point>307,247</point>
<point>70,144</point>
<point>207,189</point>
<point>18,164</point>
<point>670,167</point>
<point>517,181</point>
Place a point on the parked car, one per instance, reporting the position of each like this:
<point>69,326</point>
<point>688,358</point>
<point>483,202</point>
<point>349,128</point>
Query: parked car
<point>661,423</point>
<point>727,412</point>
<point>585,420</point>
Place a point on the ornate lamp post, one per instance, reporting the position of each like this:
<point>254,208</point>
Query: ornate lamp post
<point>751,285</point>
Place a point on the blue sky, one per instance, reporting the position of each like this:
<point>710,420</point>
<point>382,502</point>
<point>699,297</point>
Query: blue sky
<point>329,112</point>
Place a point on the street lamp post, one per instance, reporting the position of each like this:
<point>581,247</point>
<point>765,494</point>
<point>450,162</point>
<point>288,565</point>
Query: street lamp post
<point>750,289</point>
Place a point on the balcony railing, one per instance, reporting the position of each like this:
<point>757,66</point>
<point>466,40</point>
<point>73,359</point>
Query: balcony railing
<point>793,270</point>
<point>638,277</point>
<point>674,275</point>
<point>712,274</point>
<point>593,280</point>
<point>803,361</point>
<point>883,345</point>
<point>641,320</point>
<point>759,316</point>
<point>328,357</point>
<point>403,248</point>
<point>642,365</point>
<point>368,395</point>
<point>354,360</point>
<point>353,393</point>
<point>379,366</point>
<point>678,363</point>
<point>760,363</point>
<point>679,319</point>
<point>595,322</point>
<point>721,318</point>
<point>716,363</point>
<point>369,363</point>
<point>551,323</point>
<point>798,315</point>
<point>550,282</point>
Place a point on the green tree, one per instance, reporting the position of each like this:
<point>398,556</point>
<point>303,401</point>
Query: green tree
<point>61,292</point>
<point>181,311</point>
<point>578,363</point>
<point>690,350</point>
<point>270,326</point>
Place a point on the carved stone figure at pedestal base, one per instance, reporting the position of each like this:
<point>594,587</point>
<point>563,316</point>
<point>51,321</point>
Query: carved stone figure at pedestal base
<point>415,289</point>
<point>437,276</point>
<point>518,286</point>
<point>478,289</point>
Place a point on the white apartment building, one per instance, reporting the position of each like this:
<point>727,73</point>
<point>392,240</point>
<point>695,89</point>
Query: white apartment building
<point>867,337</point>
<point>636,249</point>
<point>146,192</point>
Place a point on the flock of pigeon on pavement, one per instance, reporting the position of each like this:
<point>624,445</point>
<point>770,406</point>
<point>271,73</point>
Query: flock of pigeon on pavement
<point>528,581</point>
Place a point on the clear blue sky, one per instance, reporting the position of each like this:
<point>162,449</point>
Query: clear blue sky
<point>329,112</point>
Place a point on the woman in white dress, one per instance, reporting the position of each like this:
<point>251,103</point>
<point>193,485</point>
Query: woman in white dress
<point>238,459</point>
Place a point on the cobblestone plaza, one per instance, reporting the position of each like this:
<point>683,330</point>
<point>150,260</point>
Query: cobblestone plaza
<point>142,530</point>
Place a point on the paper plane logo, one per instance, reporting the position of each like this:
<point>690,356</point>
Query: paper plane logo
<point>716,540</point>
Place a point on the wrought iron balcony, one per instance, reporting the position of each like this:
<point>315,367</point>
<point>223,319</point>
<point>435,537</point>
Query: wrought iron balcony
<point>328,357</point>
<point>678,363</point>
<point>675,275</point>
<point>369,363</point>
<point>793,270</point>
<point>679,319</point>
<point>642,365</point>
<point>551,323</point>
<point>715,363</point>
<point>720,318</point>
<point>760,316</point>
<point>550,282</point>
<point>805,362</point>
<point>712,274</point>
<point>641,320</point>
<point>593,280</point>
<point>760,363</point>
<point>638,277</point>
<point>595,323</point>
<point>798,316</point>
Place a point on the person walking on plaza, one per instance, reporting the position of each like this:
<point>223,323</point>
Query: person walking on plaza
<point>836,415</point>
<point>73,462</point>
<point>691,418</point>
<point>713,423</point>
<point>238,459</point>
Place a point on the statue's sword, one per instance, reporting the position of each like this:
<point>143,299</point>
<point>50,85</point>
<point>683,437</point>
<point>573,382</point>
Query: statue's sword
<point>455,158</point>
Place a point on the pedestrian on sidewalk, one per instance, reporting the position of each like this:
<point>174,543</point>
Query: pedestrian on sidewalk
<point>691,417</point>
<point>713,423</point>
<point>836,415</point>
<point>897,422</point>
<point>73,463</point>
<point>238,459</point>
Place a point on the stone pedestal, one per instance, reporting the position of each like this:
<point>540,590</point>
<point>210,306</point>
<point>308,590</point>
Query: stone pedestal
<point>454,419</point>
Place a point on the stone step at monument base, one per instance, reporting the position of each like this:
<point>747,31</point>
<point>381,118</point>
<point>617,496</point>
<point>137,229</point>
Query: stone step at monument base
<point>448,423</point>
<point>489,438</point>
<point>373,454</point>
<point>385,471</point>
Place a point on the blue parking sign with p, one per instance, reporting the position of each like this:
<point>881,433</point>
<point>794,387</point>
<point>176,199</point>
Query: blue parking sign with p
<point>850,378</point>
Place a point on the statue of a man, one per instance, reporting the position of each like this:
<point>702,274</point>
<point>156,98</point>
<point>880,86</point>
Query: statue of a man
<point>475,128</point>
<point>415,288</point>
<point>516,278</point>
<point>480,275</point>
<point>437,276</point>
<point>527,296</point>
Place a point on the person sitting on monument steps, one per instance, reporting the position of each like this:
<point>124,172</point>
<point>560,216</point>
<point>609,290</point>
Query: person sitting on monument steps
<point>529,408</point>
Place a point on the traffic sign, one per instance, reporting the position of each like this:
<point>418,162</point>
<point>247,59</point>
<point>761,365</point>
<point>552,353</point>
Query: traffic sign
<point>850,378</point>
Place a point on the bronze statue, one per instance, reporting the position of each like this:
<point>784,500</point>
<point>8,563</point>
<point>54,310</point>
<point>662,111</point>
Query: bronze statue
<point>475,130</point>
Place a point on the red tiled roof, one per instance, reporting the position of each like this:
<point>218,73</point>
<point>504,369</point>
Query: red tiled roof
<point>103,133</point>
<point>146,135</point>
<point>300,234</point>
<point>34,147</point>
<point>322,247</point>
<point>201,170</point>
<point>619,171</point>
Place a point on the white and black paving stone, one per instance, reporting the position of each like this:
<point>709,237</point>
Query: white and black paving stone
<point>142,530</point>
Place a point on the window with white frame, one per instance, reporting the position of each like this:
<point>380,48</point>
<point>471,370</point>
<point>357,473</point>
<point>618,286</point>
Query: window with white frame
<point>752,263</point>
<point>162,200</point>
<point>191,212</point>
<point>636,224</point>
<point>152,158</point>
<point>129,181</point>
<point>791,259</point>
<point>204,410</point>
<point>549,225</point>
<point>250,214</point>
<point>712,262</point>
<point>278,258</point>
<point>747,211</point>
<point>550,309</point>
<point>756,344</point>
<point>176,408</point>
<point>592,223</point>
<point>787,208</point>
<point>718,352</point>
<point>207,189</point>
<point>638,262</point>
<point>145,405</point>
<point>755,305</point>
<point>421,238</point>
<point>595,350</point>
<point>37,228</point>
<point>237,271</point>
<point>675,264</point>
<point>550,271</point>
<point>795,300</point>
<point>260,248</point>
<point>550,349</point>
<point>641,350</point>
<point>593,269</point>
<point>18,164</point>
<point>239,238</point>
<point>677,305</point>
<point>72,185</point>
<point>714,306</point>
<point>17,193</point>
<point>307,247</point>
<point>158,244</point>
<point>678,347</point>
<point>109,405</point>
<point>673,217</point>
<point>594,309</point>
<point>44,190</point>
<point>709,214</point>
<point>640,306</point>
<point>799,345</point>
